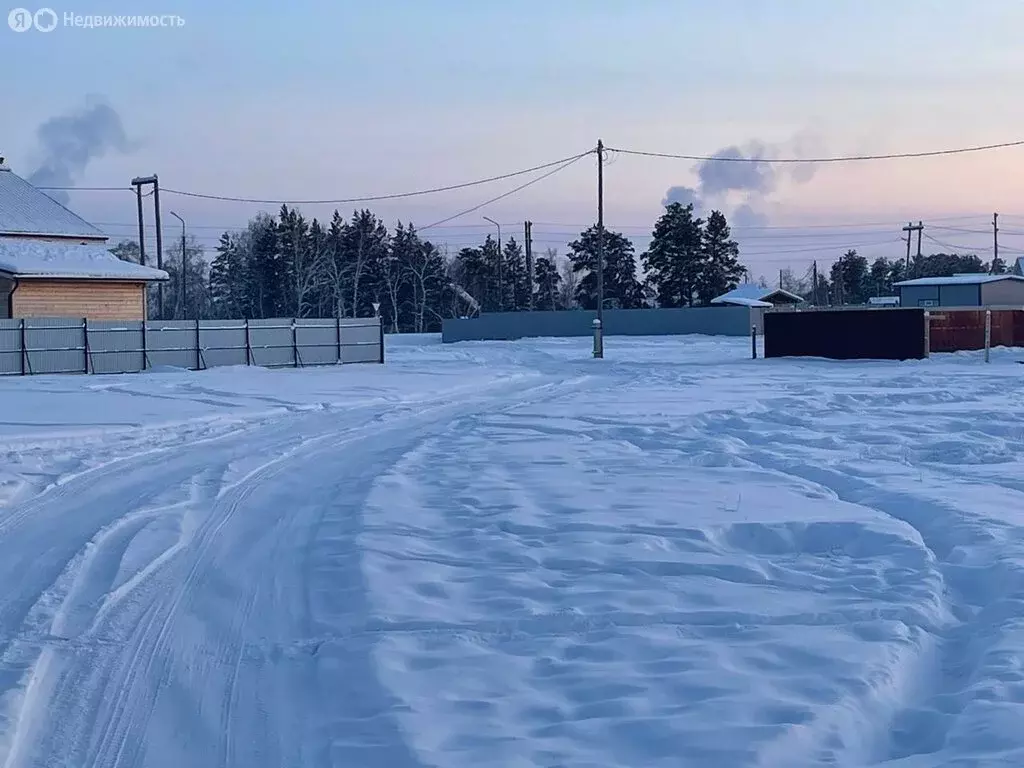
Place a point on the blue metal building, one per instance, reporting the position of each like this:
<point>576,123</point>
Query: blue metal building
<point>972,290</point>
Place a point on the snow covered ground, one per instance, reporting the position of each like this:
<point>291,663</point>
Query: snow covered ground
<point>513,555</point>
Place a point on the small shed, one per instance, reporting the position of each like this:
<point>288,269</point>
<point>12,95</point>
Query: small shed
<point>53,263</point>
<point>752,295</point>
<point>965,290</point>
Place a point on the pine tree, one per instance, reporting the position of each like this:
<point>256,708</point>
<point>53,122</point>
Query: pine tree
<point>850,278</point>
<point>516,279</point>
<point>720,268</point>
<point>227,280</point>
<point>879,277</point>
<point>474,275</point>
<point>674,261</point>
<point>364,246</point>
<point>496,280</point>
<point>621,287</point>
<point>547,296</point>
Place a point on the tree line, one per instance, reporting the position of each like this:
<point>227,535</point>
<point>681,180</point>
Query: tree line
<point>852,279</point>
<point>290,266</point>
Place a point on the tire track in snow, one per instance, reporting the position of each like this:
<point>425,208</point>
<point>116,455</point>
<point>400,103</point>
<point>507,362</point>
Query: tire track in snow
<point>95,684</point>
<point>921,719</point>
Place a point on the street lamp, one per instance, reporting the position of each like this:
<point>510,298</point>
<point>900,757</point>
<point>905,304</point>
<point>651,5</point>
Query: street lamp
<point>184,272</point>
<point>501,287</point>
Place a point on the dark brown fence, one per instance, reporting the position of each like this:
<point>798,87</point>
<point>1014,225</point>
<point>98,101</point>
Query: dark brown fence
<point>846,334</point>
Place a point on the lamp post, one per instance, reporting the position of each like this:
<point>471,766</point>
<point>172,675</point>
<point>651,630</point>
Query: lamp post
<point>184,268</point>
<point>501,287</point>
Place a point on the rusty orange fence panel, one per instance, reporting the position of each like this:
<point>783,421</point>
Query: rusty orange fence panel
<point>964,329</point>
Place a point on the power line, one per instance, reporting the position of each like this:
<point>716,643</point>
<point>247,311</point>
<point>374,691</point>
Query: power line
<point>552,172</point>
<point>839,159</point>
<point>958,247</point>
<point>339,201</point>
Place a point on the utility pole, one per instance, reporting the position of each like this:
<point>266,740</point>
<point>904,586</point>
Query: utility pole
<point>184,270</point>
<point>600,235</point>
<point>142,229</point>
<point>138,182</point>
<point>908,229</point>
<point>528,233</point>
<point>995,241</point>
<point>159,245</point>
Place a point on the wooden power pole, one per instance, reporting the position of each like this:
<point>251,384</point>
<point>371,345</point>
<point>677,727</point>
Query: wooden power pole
<point>528,238</point>
<point>995,241</point>
<point>913,228</point>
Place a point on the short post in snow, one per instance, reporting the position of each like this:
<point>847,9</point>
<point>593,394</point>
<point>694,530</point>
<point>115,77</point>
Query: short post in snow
<point>598,338</point>
<point>753,342</point>
<point>380,329</point>
<point>927,333</point>
<point>988,333</point>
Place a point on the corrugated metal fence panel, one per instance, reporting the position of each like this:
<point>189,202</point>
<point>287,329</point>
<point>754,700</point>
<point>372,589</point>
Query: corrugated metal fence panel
<point>55,345</point>
<point>499,326</point>
<point>964,329</point>
<point>360,340</point>
<point>10,347</point>
<point>58,345</point>
<point>317,340</point>
<point>223,342</point>
<point>116,346</point>
<point>171,343</point>
<point>271,342</point>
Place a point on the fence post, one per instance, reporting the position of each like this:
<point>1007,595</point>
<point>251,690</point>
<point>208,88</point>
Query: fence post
<point>927,333</point>
<point>295,344</point>
<point>199,347</point>
<point>145,350</point>
<point>753,342</point>
<point>988,333</point>
<point>248,344</point>
<point>85,333</point>
<point>337,333</point>
<point>598,339</point>
<point>24,347</point>
<point>380,331</point>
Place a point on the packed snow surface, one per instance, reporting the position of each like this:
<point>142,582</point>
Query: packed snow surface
<point>511,554</point>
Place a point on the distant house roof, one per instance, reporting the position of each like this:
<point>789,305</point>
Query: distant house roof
<point>25,210</point>
<point>971,279</point>
<point>751,292</point>
<point>48,259</point>
<point>1019,269</point>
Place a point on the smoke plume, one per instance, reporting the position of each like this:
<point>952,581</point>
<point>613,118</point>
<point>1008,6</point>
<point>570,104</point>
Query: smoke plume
<point>71,141</point>
<point>742,178</point>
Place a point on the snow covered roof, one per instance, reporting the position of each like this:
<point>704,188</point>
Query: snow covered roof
<point>742,301</point>
<point>965,279</point>
<point>25,210</point>
<point>1020,266</point>
<point>747,292</point>
<point>43,259</point>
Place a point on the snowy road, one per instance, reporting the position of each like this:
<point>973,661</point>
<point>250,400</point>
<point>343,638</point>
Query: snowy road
<point>512,555</point>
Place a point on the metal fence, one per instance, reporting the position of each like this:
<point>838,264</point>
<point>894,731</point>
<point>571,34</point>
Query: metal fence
<point>63,345</point>
<point>506,326</point>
